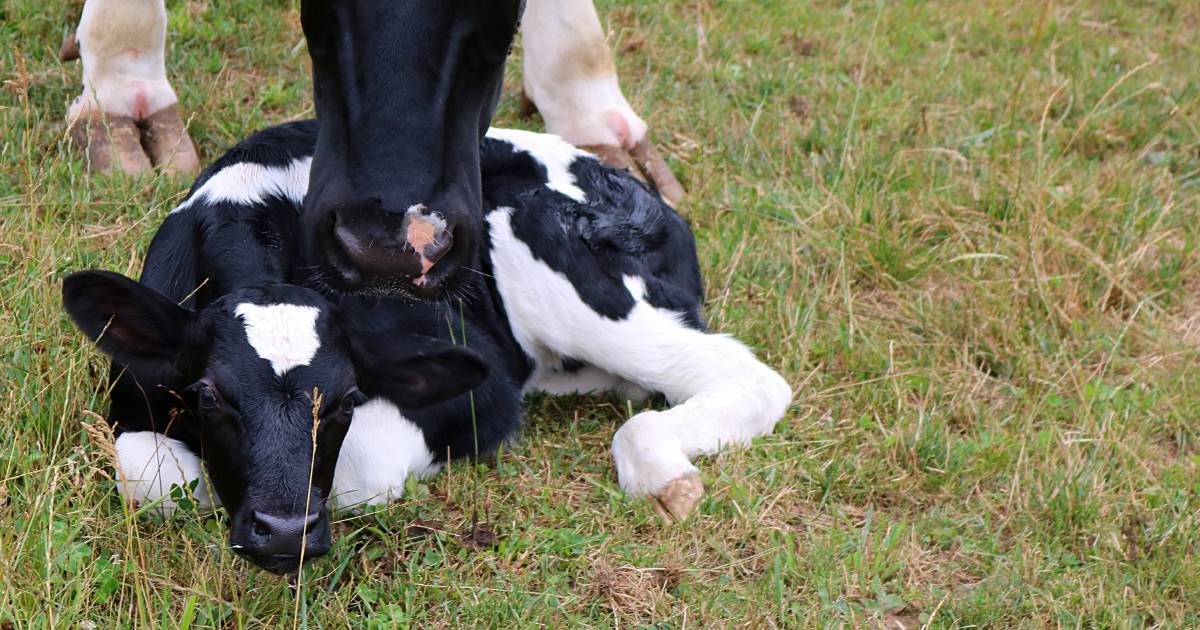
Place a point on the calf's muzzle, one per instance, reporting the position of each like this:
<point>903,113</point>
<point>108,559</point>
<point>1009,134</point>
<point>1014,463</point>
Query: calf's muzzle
<point>275,540</point>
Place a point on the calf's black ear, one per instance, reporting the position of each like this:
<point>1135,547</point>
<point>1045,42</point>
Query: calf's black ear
<point>417,371</point>
<point>130,322</point>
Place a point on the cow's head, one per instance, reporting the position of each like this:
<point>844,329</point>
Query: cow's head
<point>259,374</point>
<point>404,93</point>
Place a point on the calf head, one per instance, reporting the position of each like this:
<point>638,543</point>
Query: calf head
<point>267,380</point>
<point>404,93</point>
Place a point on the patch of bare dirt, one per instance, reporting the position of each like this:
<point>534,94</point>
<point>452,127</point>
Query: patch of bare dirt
<point>799,107</point>
<point>479,537</point>
<point>906,618</point>
<point>422,527</point>
<point>630,590</point>
<point>803,47</point>
<point>1187,322</point>
<point>632,43</point>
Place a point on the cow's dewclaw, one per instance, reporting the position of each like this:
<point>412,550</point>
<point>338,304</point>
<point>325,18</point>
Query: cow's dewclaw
<point>69,51</point>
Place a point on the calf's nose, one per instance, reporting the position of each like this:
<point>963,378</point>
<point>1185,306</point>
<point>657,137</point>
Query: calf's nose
<point>276,534</point>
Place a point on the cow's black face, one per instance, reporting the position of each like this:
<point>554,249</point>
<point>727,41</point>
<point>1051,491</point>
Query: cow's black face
<point>268,381</point>
<point>404,93</point>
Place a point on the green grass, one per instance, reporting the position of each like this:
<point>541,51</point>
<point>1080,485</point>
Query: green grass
<point>966,232</point>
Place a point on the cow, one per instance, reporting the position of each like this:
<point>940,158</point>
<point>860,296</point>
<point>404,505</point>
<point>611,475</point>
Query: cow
<point>233,361</point>
<point>569,78</point>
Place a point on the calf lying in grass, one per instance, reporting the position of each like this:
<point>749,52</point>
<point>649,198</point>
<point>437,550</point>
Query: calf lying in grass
<point>228,352</point>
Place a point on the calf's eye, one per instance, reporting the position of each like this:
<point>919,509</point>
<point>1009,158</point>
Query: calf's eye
<point>352,399</point>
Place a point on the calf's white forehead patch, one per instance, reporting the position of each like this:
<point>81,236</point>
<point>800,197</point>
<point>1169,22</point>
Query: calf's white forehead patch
<point>283,334</point>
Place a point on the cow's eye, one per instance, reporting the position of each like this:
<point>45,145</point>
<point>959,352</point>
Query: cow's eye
<point>352,399</point>
<point>206,396</point>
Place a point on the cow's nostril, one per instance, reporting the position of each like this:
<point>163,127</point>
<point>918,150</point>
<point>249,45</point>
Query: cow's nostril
<point>436,251</point>
<point>377,258</point>
<point>428,236</point>
<point>419,251</point>
<point>349,243</point>
<point>277,541</point>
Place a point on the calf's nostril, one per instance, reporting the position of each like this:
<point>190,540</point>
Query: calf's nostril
<point>271,526</point>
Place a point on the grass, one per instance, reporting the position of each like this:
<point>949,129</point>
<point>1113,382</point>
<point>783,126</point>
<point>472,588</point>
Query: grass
<point>967,232</point>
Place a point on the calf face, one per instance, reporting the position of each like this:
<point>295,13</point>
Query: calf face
<point>267,379</point>
<point>404,93</point>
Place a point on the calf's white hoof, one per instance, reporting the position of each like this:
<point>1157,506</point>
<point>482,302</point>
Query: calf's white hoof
<point>676,501</point>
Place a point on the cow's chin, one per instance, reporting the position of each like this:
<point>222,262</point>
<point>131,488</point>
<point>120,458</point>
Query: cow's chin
<point>435,285</point>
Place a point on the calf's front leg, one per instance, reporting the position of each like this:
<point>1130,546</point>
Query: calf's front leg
<point>149,464</point>
<point>722,396</point>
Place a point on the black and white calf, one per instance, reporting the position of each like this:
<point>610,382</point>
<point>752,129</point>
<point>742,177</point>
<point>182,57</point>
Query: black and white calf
<point>227,351</point>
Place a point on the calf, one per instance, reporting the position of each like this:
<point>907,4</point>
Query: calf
<point>231,350</point>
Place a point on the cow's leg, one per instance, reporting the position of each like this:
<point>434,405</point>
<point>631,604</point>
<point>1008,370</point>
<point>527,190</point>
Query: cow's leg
<point>721,394</point>
<point>570,78</point>
<point>127,103</point>
<point>149,464</point>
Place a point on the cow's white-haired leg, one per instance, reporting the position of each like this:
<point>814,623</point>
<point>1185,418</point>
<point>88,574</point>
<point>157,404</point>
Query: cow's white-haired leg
<point>149,464</point>
<point>126,101</point>
<point>571,79</point>
<point>722,394</point>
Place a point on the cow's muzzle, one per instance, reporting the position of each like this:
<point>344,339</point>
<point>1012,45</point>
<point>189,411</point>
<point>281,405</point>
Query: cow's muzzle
<point>416,253</point>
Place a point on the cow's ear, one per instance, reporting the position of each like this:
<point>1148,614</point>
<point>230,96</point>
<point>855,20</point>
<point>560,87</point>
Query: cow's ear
<point>415,371</point>
<point>130,322</point>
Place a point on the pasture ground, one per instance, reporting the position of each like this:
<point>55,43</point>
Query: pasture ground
<point>966,232</point>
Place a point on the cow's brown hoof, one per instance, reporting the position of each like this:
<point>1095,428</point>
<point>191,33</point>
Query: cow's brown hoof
<point>167,141</point>
<point>645,163</point>
<point>678,498</point>
<point>110,144</point>
<point>613,155</point>
<point>651,163</point>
